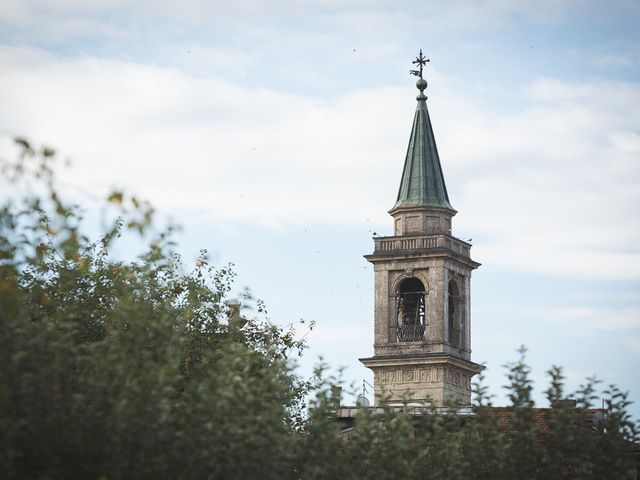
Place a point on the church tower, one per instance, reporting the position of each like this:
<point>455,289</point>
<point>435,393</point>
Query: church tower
<point>422,346</point>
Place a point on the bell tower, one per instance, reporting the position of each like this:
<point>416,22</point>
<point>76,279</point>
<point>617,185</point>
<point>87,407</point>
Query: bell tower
<point>422,346</point>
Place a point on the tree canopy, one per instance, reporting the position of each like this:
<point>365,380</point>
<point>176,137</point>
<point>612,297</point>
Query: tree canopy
<point>116,369</point>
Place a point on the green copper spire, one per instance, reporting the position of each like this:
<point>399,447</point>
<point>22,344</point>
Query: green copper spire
<point>422,183</point>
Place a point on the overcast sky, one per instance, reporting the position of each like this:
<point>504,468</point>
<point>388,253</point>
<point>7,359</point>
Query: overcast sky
<point>275,133</point>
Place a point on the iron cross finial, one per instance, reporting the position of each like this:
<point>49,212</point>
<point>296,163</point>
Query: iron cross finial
<point>420,61</point>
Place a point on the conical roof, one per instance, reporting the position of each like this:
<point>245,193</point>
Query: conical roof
<point>422,183</point>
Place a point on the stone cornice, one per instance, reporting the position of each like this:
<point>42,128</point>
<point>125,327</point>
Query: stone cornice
<point>420,359</point>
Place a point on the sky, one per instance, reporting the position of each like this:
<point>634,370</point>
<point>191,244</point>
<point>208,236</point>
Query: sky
<point>275,132</point>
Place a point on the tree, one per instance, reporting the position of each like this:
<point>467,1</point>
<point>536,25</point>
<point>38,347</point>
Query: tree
<point>115,369</point>
<point>129,369</point>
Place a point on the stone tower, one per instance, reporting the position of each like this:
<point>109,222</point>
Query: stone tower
<point>422,348</point>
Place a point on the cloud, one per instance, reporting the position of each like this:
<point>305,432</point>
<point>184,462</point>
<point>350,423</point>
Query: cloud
<point>612,60</point>
<point>369,24</point>
<point>602,319</point>
<point>192,144</point>
<point>634,344</point>
<point>550,187</point>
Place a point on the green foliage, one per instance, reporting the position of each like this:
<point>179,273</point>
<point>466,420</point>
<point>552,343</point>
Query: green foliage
<point>129,369</point>
<point>114,369</point>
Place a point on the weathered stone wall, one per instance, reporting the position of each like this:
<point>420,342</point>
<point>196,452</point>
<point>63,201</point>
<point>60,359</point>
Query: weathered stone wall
<point>424,384</point>
<point>434,273</point>
<point>422,220</point>
<point>437,366</point>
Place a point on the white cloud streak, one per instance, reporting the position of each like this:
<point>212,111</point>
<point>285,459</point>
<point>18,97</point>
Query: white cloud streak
<point>549,188</point>
<point>66,20</point>
<point>634,344</point>
<point>600,319</point>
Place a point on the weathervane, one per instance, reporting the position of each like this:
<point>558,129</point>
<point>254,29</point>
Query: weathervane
<point>420,61</point>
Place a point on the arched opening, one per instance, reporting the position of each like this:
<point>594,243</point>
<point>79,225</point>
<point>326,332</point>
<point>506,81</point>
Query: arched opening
<point>410,310</point>
<point>455,315</point>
